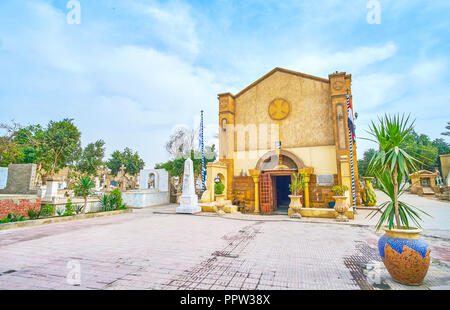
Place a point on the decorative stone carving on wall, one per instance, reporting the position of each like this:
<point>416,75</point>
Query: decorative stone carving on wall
<point>338,85</point>
<point>279,109</point>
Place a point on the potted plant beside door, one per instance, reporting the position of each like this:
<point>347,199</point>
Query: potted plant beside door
<point>341,202</point>
<point>296,187</point>
<point>220,197</point>
<point>405,256</point>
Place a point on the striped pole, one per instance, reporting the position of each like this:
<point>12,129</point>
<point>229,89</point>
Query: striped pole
<point>203,153</point>
<point>350,139</point>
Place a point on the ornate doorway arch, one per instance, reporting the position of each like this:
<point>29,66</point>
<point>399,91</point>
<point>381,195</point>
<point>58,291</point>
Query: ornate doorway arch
<point>292,160</point>
<point>269,189</point>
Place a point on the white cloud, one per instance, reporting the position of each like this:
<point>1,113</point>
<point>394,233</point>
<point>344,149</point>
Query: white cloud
<point>173,23</point>
<point>374,90</point>
<point>322,62</point>
<point>428,72</point>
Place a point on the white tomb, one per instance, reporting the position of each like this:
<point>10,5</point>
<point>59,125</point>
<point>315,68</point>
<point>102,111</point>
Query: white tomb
<point>189,200</point>
<point>153,189</point>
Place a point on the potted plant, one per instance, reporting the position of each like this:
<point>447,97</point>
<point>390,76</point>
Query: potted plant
<point>341,202</point>
<point>405,256</point>
<point>296,187</point>
<point>220,197</point>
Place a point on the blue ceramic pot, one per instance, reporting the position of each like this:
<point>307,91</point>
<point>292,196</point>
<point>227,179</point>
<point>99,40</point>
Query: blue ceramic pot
<point>405,256</point>
<point>331,204</point>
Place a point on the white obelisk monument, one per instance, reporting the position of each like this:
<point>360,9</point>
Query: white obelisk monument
<point>189,200</point>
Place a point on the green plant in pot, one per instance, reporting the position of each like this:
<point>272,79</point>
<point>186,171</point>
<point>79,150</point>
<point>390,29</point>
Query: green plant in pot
<point>219,189</point>
<point>296,187</point>
<point>341,205</point>
<point>405,256</point>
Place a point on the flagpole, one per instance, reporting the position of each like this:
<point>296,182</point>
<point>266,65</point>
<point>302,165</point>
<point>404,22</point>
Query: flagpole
<point>350,139</point>
<point>203,152</point>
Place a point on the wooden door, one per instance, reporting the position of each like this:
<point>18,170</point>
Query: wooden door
<point>265,193</point>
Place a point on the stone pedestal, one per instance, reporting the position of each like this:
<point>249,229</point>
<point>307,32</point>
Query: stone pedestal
<point>189,200</point>
<point>51,190</point>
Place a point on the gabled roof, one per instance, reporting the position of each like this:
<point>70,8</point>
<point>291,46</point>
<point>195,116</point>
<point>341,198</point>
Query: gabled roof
<point>277,69</point>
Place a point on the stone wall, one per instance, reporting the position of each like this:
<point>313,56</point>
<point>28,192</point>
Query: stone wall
<point>320,195</point>
<point>18,204</point>
<point>21,180</point>
<point>244,190</point>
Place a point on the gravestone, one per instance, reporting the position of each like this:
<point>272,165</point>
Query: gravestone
<point>3,177</point>
<point>189,200</point>
<point>21,180</point>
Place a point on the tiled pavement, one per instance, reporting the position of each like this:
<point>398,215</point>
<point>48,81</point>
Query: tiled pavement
<point>143,250</point>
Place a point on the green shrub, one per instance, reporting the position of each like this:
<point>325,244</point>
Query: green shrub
<point>339,190</point>
<point>47,210</point>
<point>79,209</point>
<point>34,214</point>
<point>60,211</point>
<point>70,208</point>
<point>117,194</point>
<point>112,201</point>
<point>219,188</point>
<point>11,218</point>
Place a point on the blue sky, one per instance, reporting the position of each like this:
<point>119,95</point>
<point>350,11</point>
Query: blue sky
<point>133,70</point>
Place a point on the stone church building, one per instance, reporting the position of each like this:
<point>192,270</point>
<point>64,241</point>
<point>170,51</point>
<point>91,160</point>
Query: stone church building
<point>283,123</point>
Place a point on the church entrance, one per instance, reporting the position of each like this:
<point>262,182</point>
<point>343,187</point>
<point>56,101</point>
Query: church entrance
<point>274,191</point>
<point>281,198</point>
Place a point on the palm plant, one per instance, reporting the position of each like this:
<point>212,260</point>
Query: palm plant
<point>298,183</point>
<point>391,165</point>
<point>83,188</point>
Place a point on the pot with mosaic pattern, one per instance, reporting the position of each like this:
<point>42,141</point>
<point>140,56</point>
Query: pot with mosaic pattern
<point>405,256</point>
<point>368,195</point>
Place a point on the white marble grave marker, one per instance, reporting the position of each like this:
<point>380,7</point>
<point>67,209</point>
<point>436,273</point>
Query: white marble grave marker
<point>189,200</point>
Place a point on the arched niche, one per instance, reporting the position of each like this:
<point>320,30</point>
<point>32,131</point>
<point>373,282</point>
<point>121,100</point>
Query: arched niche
<point>270,160</point>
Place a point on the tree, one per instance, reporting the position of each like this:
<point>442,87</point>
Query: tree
<point>176,167</point>
<point>421,147</point>
<point>443,148</point>
<point>130,160</point>
<point>447,133</point>
<point>92,158</point>
<point>83,188</point>
<point>20,145</point>
<point>363,164</point>
<point>181,142</point>
<point>61,145</point>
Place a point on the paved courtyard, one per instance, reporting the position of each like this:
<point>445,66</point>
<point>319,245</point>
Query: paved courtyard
<point>150,250</point>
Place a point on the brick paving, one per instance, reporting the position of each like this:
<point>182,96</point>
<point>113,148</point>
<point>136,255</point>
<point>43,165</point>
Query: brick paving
<point>144,250</point>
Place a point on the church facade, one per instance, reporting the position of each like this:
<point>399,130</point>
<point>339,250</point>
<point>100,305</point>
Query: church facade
<point>285,122</point>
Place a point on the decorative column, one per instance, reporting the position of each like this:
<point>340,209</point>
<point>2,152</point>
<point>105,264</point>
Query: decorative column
<point>255,174</point>
<point>307,191</point>
<point>308,172</point>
